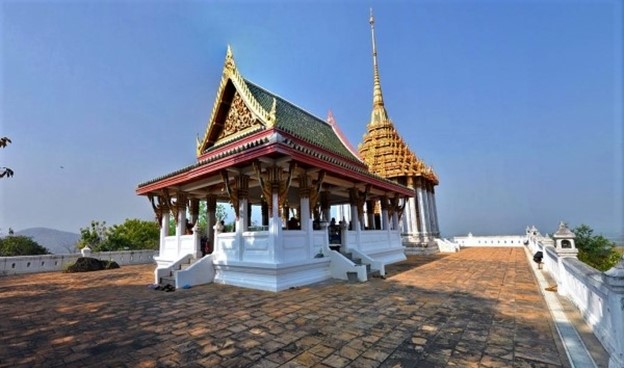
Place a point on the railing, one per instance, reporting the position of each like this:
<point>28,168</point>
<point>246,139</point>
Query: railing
<point>58,262</point>
<point>599,296</point>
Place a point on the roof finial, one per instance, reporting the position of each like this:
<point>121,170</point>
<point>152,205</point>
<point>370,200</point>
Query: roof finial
<point>377,96</point>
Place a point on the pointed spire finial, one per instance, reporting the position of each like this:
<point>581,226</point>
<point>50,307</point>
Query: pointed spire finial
<point>229,58</point>
<point>379,111</point>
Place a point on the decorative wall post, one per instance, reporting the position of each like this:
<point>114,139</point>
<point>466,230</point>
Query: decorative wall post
<point>218,229</point>
<point>565,248</point>
<point>614,279</point>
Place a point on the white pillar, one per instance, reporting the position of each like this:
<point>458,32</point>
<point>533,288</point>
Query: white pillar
<point>385,221</point>
<point>435,210</point>
<point>164,231</point>
<point>434,225</point>
<point>181,225</point>
<point>211,221</point>
<point>406,220</point>
<point>275,229</point>
<point>241,226</point>
<point>395,220</point>
<point>181,228</point>
<point>370,215</point>
<point>355,223</point>
<point>306,223</point>
<point>413,216</point>
<point>427,208</point>
<point>421,211</point>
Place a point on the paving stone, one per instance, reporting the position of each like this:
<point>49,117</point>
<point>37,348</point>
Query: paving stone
<point>336,361</point>
<point>437,310</point>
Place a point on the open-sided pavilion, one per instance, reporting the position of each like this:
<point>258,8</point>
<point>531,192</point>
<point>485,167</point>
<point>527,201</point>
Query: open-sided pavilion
<point>263,153</point>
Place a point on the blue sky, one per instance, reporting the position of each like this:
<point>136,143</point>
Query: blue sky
<point>516,104</point>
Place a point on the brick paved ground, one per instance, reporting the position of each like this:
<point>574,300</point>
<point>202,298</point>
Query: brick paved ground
<point>455,311</point>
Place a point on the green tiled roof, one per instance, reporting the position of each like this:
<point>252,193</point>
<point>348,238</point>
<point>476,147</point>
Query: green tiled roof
<point>301,124</point>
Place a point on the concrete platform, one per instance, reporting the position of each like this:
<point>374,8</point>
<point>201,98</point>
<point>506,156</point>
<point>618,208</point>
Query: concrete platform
<point>476,308</point>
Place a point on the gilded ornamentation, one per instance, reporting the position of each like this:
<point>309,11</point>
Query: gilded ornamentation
<point>382,149</point>
<point>238,118</point>
<point>315,191</point>
<point>159,208</point>
<point>272,180</point>
<point>230,73</point>
<point>240,189</point>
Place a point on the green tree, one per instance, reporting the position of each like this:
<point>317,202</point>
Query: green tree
<point>20,246</point>
<point>595,250</point>
<point>220,214</point>
<point>5,171</point>
<point>134,234</point>
<point>94,236</point>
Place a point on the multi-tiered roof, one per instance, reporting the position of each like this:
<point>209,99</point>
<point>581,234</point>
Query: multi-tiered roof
<point>382,148</point>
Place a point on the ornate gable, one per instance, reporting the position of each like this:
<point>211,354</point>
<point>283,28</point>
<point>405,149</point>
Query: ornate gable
<point>239,120</point>
<point>235,112</point>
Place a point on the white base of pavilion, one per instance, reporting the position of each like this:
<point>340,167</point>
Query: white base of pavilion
<point>259,261</point>
<point>416,244</point>
<point>272,277</point>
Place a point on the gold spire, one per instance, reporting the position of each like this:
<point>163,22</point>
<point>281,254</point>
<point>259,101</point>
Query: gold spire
<point>382,149</point>
<point>379,113</point>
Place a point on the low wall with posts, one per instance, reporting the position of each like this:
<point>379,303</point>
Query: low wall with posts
<point>58,262</point>
<point>599,296</point>
<point>489,241</point>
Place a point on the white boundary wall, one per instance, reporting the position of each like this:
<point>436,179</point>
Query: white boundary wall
<point>599,296</point>
<point>58,262</point>
<point>490,241</point>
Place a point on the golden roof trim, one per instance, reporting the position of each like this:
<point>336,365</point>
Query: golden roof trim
<point>230,73</point>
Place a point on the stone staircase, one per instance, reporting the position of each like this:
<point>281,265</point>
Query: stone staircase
<point>352,276</point>
<point>170,278</point>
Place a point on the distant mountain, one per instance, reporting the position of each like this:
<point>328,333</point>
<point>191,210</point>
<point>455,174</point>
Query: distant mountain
<point>57,241</point>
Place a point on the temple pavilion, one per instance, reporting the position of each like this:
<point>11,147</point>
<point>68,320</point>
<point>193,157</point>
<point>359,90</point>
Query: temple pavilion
<point>386,154</point>
<point>262,153</point>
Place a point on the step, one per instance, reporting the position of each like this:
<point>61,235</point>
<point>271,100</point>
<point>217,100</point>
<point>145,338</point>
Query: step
<point>352,276</point>
<point>167,280</point>
<point>374,274</point>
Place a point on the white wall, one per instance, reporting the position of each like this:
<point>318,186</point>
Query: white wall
<point>599,296</point>
<point>490,241</point>
<point>57,262</point>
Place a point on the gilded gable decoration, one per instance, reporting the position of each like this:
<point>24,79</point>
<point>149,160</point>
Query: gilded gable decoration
<point>239,118</point>
<point>231,75</point>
